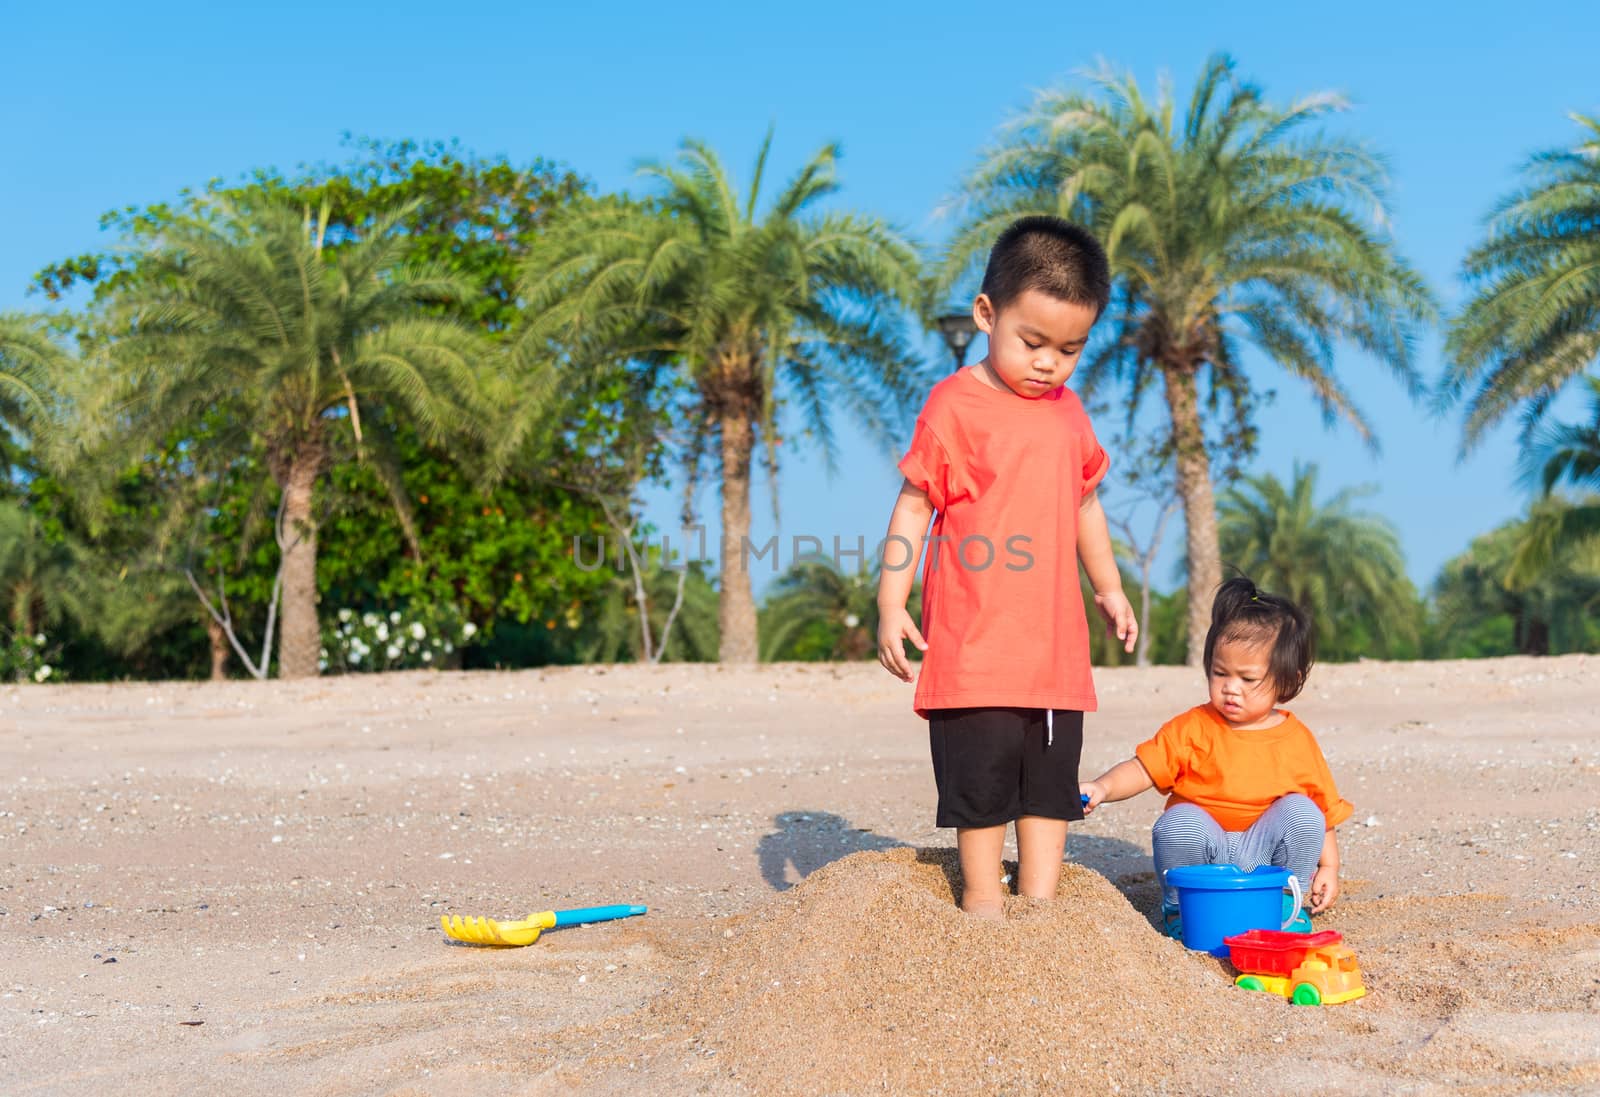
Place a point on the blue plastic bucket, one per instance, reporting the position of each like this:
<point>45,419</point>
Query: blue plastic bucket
<point>1217,901</point>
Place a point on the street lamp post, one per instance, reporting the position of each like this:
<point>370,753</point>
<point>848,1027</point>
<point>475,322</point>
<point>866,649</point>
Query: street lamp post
<point>958,330</point>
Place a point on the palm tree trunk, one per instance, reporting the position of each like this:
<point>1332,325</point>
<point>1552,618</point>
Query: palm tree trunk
<point>736,608</point>
<point>300,641</point>
<point>219,649</point>
<point>1199,508</point>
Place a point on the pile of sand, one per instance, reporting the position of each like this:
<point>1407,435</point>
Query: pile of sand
<point>866,978</point>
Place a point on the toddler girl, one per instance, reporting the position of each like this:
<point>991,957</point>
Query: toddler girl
<point>1247,783</point>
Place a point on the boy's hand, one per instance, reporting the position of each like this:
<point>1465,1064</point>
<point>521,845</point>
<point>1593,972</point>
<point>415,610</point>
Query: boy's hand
<point>895,627</point>
<point>1096,792</point>
<point>1324,888</point>
<point>1120,618</point>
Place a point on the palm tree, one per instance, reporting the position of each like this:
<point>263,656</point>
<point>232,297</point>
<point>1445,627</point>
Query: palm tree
<point>1232,225</point>
<point>243,319</point>
<point>752,306</point>
<point>680,605</point>
<point>1478,612</point>
<point>29,360</point>
<point>1561,453</point>
<point>42,575</point>
<point>1344,566</point>
<point>1533,323</point>
<point>816,610</point>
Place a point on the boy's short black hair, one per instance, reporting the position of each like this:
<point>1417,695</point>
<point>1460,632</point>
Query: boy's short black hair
<point>1242,612</point>
<point>1050,255</point>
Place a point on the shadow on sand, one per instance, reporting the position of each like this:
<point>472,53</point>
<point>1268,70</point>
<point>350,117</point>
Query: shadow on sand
<point>804,841</point>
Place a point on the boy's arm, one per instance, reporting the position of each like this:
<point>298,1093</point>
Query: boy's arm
<point>1125,779</point>
<point>1325,884</point>
<point>902,550</point>
<point>1100,562</point>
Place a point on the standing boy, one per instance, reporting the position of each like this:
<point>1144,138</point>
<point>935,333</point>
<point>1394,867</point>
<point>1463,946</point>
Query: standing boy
<point>1005,455</point>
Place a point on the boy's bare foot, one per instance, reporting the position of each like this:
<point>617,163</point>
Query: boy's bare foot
<point>990,910</point>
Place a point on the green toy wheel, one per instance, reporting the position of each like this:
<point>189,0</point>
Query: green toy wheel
<point>1249,982</point>
<point>1306,995</point>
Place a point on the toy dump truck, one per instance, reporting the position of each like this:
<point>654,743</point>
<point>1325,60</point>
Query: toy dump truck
<point>1309,969</point>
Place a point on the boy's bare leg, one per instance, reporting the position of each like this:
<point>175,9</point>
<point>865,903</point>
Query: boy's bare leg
<point>1039,845</point>
<point>979,849</point>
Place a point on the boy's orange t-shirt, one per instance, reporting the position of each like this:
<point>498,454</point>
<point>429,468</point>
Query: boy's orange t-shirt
<point>1236,775</point>
<point>1002,611</point>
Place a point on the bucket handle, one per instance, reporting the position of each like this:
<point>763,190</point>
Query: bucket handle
<point>1294,886</point>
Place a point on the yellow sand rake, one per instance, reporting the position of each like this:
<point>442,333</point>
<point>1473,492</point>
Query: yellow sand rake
<point>487,931</point>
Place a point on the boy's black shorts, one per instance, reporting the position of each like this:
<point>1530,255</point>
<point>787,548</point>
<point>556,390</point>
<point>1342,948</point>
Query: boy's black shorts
<point>995,764</point>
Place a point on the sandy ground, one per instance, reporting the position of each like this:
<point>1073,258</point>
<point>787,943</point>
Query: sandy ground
<point>235,888</point>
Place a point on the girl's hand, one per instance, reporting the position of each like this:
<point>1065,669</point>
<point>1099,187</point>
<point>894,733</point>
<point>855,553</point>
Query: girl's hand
<point>1324,888</point>
<point>1096,793</point>
<point>895,627</point>
<point>1120,618</point>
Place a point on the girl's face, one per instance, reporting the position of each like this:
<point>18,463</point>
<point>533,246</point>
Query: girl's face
<point>1242,689</point>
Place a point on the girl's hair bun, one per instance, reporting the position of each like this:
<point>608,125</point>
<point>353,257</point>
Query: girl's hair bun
<point>1242,611</point>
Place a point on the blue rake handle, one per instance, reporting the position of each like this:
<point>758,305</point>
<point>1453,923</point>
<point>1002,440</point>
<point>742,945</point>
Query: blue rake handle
<point>597,914</point>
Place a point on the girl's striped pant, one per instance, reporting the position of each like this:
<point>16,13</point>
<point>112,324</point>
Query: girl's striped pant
<point>1289,835</point>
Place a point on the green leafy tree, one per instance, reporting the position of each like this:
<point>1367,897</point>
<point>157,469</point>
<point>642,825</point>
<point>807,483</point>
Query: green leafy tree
<point>1477,612</point>
<point>472,214</point>
<point>245,315</point>
<point>193,526</point>
<point>500,552</point>
<point>816,611</point>
<point>1343,565</point>
<point>30,363</point>
<point>1533,321</point>
<point>42,573</point>
<point>1169,628</point>
<point>751,304</point>
<point>402,521</point>
<point>610,631</point>
<point>1233,223</point>
<point>1563,453</point>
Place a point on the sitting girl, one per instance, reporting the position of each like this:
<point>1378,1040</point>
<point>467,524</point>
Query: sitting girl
<point>1248,784</point>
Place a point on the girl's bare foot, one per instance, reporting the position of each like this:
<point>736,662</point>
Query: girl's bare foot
<point>990,910</point>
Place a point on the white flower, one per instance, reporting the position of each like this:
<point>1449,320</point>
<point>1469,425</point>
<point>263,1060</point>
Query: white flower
<point>392,652</point>
<point>369,619</point>
<point>383,632</point>
<point>427,657</point>
<point>355,656</point>
<point>448,647</point>
<point>418,631</point>
<point>359,646</point>
<point>42,673</point>
<point>38,641</point>
<point>468,630</point>
<point>394,617</point>
<point>852,621</point>
<point>345,615</point>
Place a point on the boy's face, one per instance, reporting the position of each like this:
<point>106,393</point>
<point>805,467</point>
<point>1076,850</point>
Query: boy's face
<point>1035,341</point>
<point>1241,682</point>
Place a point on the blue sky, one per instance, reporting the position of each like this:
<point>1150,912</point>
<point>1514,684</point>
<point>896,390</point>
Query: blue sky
<point>103,105</point>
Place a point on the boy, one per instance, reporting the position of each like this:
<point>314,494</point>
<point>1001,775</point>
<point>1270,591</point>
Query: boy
<point>1006,456</point>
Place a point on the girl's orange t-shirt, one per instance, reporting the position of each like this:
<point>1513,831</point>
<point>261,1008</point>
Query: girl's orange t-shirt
<point>1002,609</point>
<point>1236,775</point>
